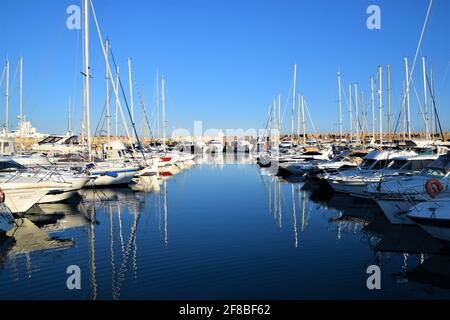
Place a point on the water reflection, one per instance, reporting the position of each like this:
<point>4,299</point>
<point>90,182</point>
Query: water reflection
<point>138,244</point>
<point>419,257</point>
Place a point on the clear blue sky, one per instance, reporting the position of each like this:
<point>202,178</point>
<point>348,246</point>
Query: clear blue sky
<point>224,61</point>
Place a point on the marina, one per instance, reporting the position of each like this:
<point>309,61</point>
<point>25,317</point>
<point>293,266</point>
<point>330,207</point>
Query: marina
<point>342,192</point>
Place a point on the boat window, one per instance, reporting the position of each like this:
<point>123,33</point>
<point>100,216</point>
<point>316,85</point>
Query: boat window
<point>50,139</point>
<point>381,164</point>
<point>433,172</point>
<point>420,164</point>
<point>72,140</point>
<point>400,164</point>
<point>367,163</point>
<point>6,166</point>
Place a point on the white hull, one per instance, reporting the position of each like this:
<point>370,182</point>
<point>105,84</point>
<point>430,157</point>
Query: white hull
<point>20,197</point>
<point>395,210</point>
<point>343,187</point>
<point>102,179</point>
<point>67,193</point>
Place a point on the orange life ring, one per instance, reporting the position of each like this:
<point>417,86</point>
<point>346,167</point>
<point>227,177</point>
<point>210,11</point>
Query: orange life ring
<point>433,187</point>
<point>2,196</point>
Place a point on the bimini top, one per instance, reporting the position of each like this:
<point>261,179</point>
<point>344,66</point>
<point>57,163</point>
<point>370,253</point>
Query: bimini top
<point>389,154</point>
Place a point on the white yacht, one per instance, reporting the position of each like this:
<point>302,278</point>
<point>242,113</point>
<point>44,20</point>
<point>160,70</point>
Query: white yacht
<point>349,181</point>
<point>398,167</point>
<point>215,146</point>
<point>316,166</point>
<point>8,149</point>
<point>74,180</point>
<point>55,144</point>
<point>396,196</point>
<point>21,193</point>
<point>242,146</point>
<point>433,217</point>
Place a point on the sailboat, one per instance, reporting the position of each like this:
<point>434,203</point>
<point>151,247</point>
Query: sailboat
<point>114,170</point>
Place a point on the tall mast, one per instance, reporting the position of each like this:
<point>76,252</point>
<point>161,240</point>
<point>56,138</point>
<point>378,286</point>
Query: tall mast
<point>408,99</point>
<point>163,102</point>
<point>108,129</point>
<point>404,110</point>
<point>389,100</point>
<point>275,122</point>
<point>373,107</point>
<point>69,120</point>
<point>433,111</point>
<point>279,124</point>
<point>350,111</point>
<point>340,103</point>
<point>143,115</point>
<point>131,90</point>
<point>356,112</point>
<point>293,104</point>
<point>87,77</point>
<point>117,105</point>
<point>363,117</point>
<point>380,93</point>
<point>298,115</point>
<point>7,97</point>
<point>20,96</point>
<point>157,103</point>
<point>425,108</point>
<point>303,120</point>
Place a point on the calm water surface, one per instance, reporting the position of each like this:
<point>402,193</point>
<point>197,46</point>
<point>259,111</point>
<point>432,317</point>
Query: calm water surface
<point>223,229</point>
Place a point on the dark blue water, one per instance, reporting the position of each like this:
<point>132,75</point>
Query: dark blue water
<point>221,231</point>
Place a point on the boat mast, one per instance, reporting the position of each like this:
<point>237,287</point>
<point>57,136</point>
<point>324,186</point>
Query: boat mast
<point>143,115</point>
<point>157,102</point>
<point>275,122</point>
<point>108,129</point>
<point>163,102</point>
<point>131,92</point>
<point>117,105</point>
<point>279,114</point>
<point>69,120</point>
<point>363,116</point>
<point>293,105</point>
<point>373,107</point>
<point>433,111</point>
<point>380,71</point>
<point>425,108</point>
<point>356,112</point>
<point>350,111</point>
<point>298,115</point>
<point>340,104</point>
<point>303,120</point>
<point>404,110</point>
<point>7,96</point>
<point>20,96</point>
<point>87,77</point>
<point>408,110</point>
<point>389,100</point>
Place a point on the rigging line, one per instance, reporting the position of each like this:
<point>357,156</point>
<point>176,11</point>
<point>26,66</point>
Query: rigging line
<point>418,101</point>
<point>116,90</point>
<point>436,114</point>
<point>312,123</point>
<point>418,48</point>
